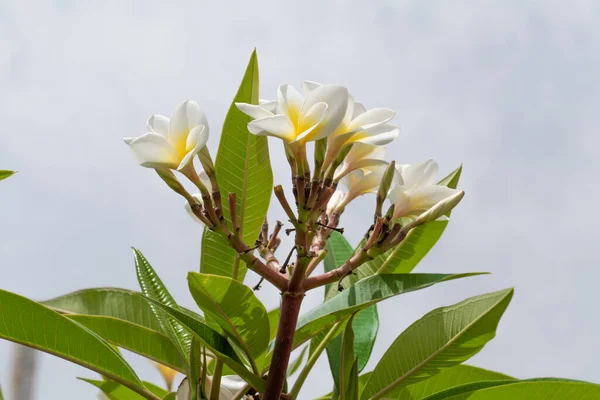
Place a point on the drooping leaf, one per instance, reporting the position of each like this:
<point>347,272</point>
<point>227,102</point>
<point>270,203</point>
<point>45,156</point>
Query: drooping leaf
<point>444,337</point>
<point>116,303</point>
<point>273,316</point>
<point>153,287</point>
<point>31,324</point>
<point>3,175</point>
<point>141,340</point>
<point>116,391</point>
<point>297,362</point>
<point>243,167</point>
<point>348,362</point>
<point>448,378</point>
<point>236,309</point>
<point>362,295</point>
<point>216,343</point>
<point>365,323</point>
<point>530,389</point>
<point>405,257</point>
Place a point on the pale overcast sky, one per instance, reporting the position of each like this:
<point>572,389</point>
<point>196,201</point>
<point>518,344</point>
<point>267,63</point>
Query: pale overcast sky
<point>509,88</point>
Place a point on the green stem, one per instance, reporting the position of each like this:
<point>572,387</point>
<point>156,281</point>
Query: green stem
<point>236,268</point>
<point>216,381</point>
<point>312,360</point>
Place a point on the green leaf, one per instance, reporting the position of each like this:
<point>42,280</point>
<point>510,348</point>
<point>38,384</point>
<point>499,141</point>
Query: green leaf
<point>297,362</point>
<point>236,309</point>
<point>405,257</point>
<point>141,340</point>
<point>362,295</point>
<point>116,303</point>
<point>1,395</point>
<point>116,391</point>
<point>347,363</point>
<point>216,343</point>
<point>352,389</point>
<point>273,316</point>
<point>531,389</point>
<point>31,324</point>
<point>443,338</point>
<point>154,288</point>
<point>195,366</point>
<point>170,396</point>
<point>365,323</point>
<point>3,175</point>
<point>448,378</point>
<point>242,167</point>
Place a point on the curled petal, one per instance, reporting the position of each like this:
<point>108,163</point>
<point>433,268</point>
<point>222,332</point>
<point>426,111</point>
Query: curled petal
<point>336,199</point>
<point>379,135</point>
<point>309,86</point>
<point>278,125</point>
<point>289,102</point>
<point>185,117</point>
<point>253,111</point>
<point>196,140</point>
<point>419,175</point>
<point>269,105</point>
<point>336,98</point>
<point>159,124</point>
<point>153,150</point>
<point>425,198</point>
<point>310,123</point>
<point>401,202</point>
<point>371,118</point>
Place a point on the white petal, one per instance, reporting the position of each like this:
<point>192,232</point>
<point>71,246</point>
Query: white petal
<point>183,392</point>
<point>230,385</point>
<point>400,200</point>
<point>336,98</point>
<point>159,124</point>
<point>196,140</point>
<point>360,151</point>
<point>205,180</point>
<point>278,125</point>
<point>153,150</point>
<point>420,174</point>
<point>188,208</point>
<point>309,86</point>
<point>185,117</point>
<point>379,135</point>
<point>310,123</point>
<point>290,101</point>
<point>359,108</point>
<point>128,140</point>
<point>425,198</point>
<point>371,118</point>
<point>269,105</point>
<point>253,111</point>
<point>335,200</point>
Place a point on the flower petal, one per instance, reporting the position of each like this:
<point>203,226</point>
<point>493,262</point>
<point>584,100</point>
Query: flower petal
<point>188,208</point>
<point>309,86</point>
<point>159,124</point>
<point>230,385</point>
<point>185,117</point>
<point>401,202</point>
<point>419,175</point>
<point>336,98</point>
<point>269,105</point>
<point>334,201</point>
<point>253,111</point>
<point>277,125</point>
<point>371,118</point>
<point>359,108</point>
<point>379,135</point>
<point>289,102</point>
<point>310,123</point>
<point>153,150</point>
<point>196,140</point>
<point>425,198</point>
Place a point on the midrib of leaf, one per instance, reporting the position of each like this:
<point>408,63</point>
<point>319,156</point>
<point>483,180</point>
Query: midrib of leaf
<point>434,354</point>
<point>239,338</point>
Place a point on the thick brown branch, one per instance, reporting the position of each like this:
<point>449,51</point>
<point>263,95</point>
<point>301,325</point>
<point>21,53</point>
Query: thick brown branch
<point>335,275</point>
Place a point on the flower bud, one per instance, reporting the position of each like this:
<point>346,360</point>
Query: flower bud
<point>440,209</point>
<point>207,162</point>
<point>384,187</point>
<point>320,150</point>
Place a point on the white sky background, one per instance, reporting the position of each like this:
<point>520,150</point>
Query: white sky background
<point>510,89</point>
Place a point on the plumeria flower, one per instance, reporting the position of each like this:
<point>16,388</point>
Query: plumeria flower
<point>417,190</point>
<point>171,142</point>
<point>357,182</point>
<point>362,155</point>
<point>198,197</point>
<point>167,373</point>
<point>297,119</point>
<point>230,385</point>
<point>359,125</point>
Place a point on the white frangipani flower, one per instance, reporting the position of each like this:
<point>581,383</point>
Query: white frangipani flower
<point>298,119</point>
<point>359,125</point>
<point>361,156</point>
<point>171,142</point>
<point>357,182</point>
<point>417,190</point>
<point>230,385</point>
<point>336,199</point>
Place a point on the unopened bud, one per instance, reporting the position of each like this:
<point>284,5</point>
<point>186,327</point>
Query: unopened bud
<point>384,186</point>
<point>320,150</point>
<point>390,213</point>
<point>441,208</point>
<point>171,180</point>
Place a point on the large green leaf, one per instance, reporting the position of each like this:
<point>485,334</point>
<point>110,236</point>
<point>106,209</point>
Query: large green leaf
<point>405,257</point>
<point>243,168</point>
<point>448,378</point>
<point>365,324</point>
<point>116,391</point>
<point>362,295</point>
<point>3,175</point>
<point>236,309</point>
<point>109,302</point>
<point>216,343</point>
<point>273,316</point>
<point>348,375</point>
<point>444,337</point>
<point>141,340</point>
<point>531,389</point>
<point>154,288</point>
<point>31,324</point>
